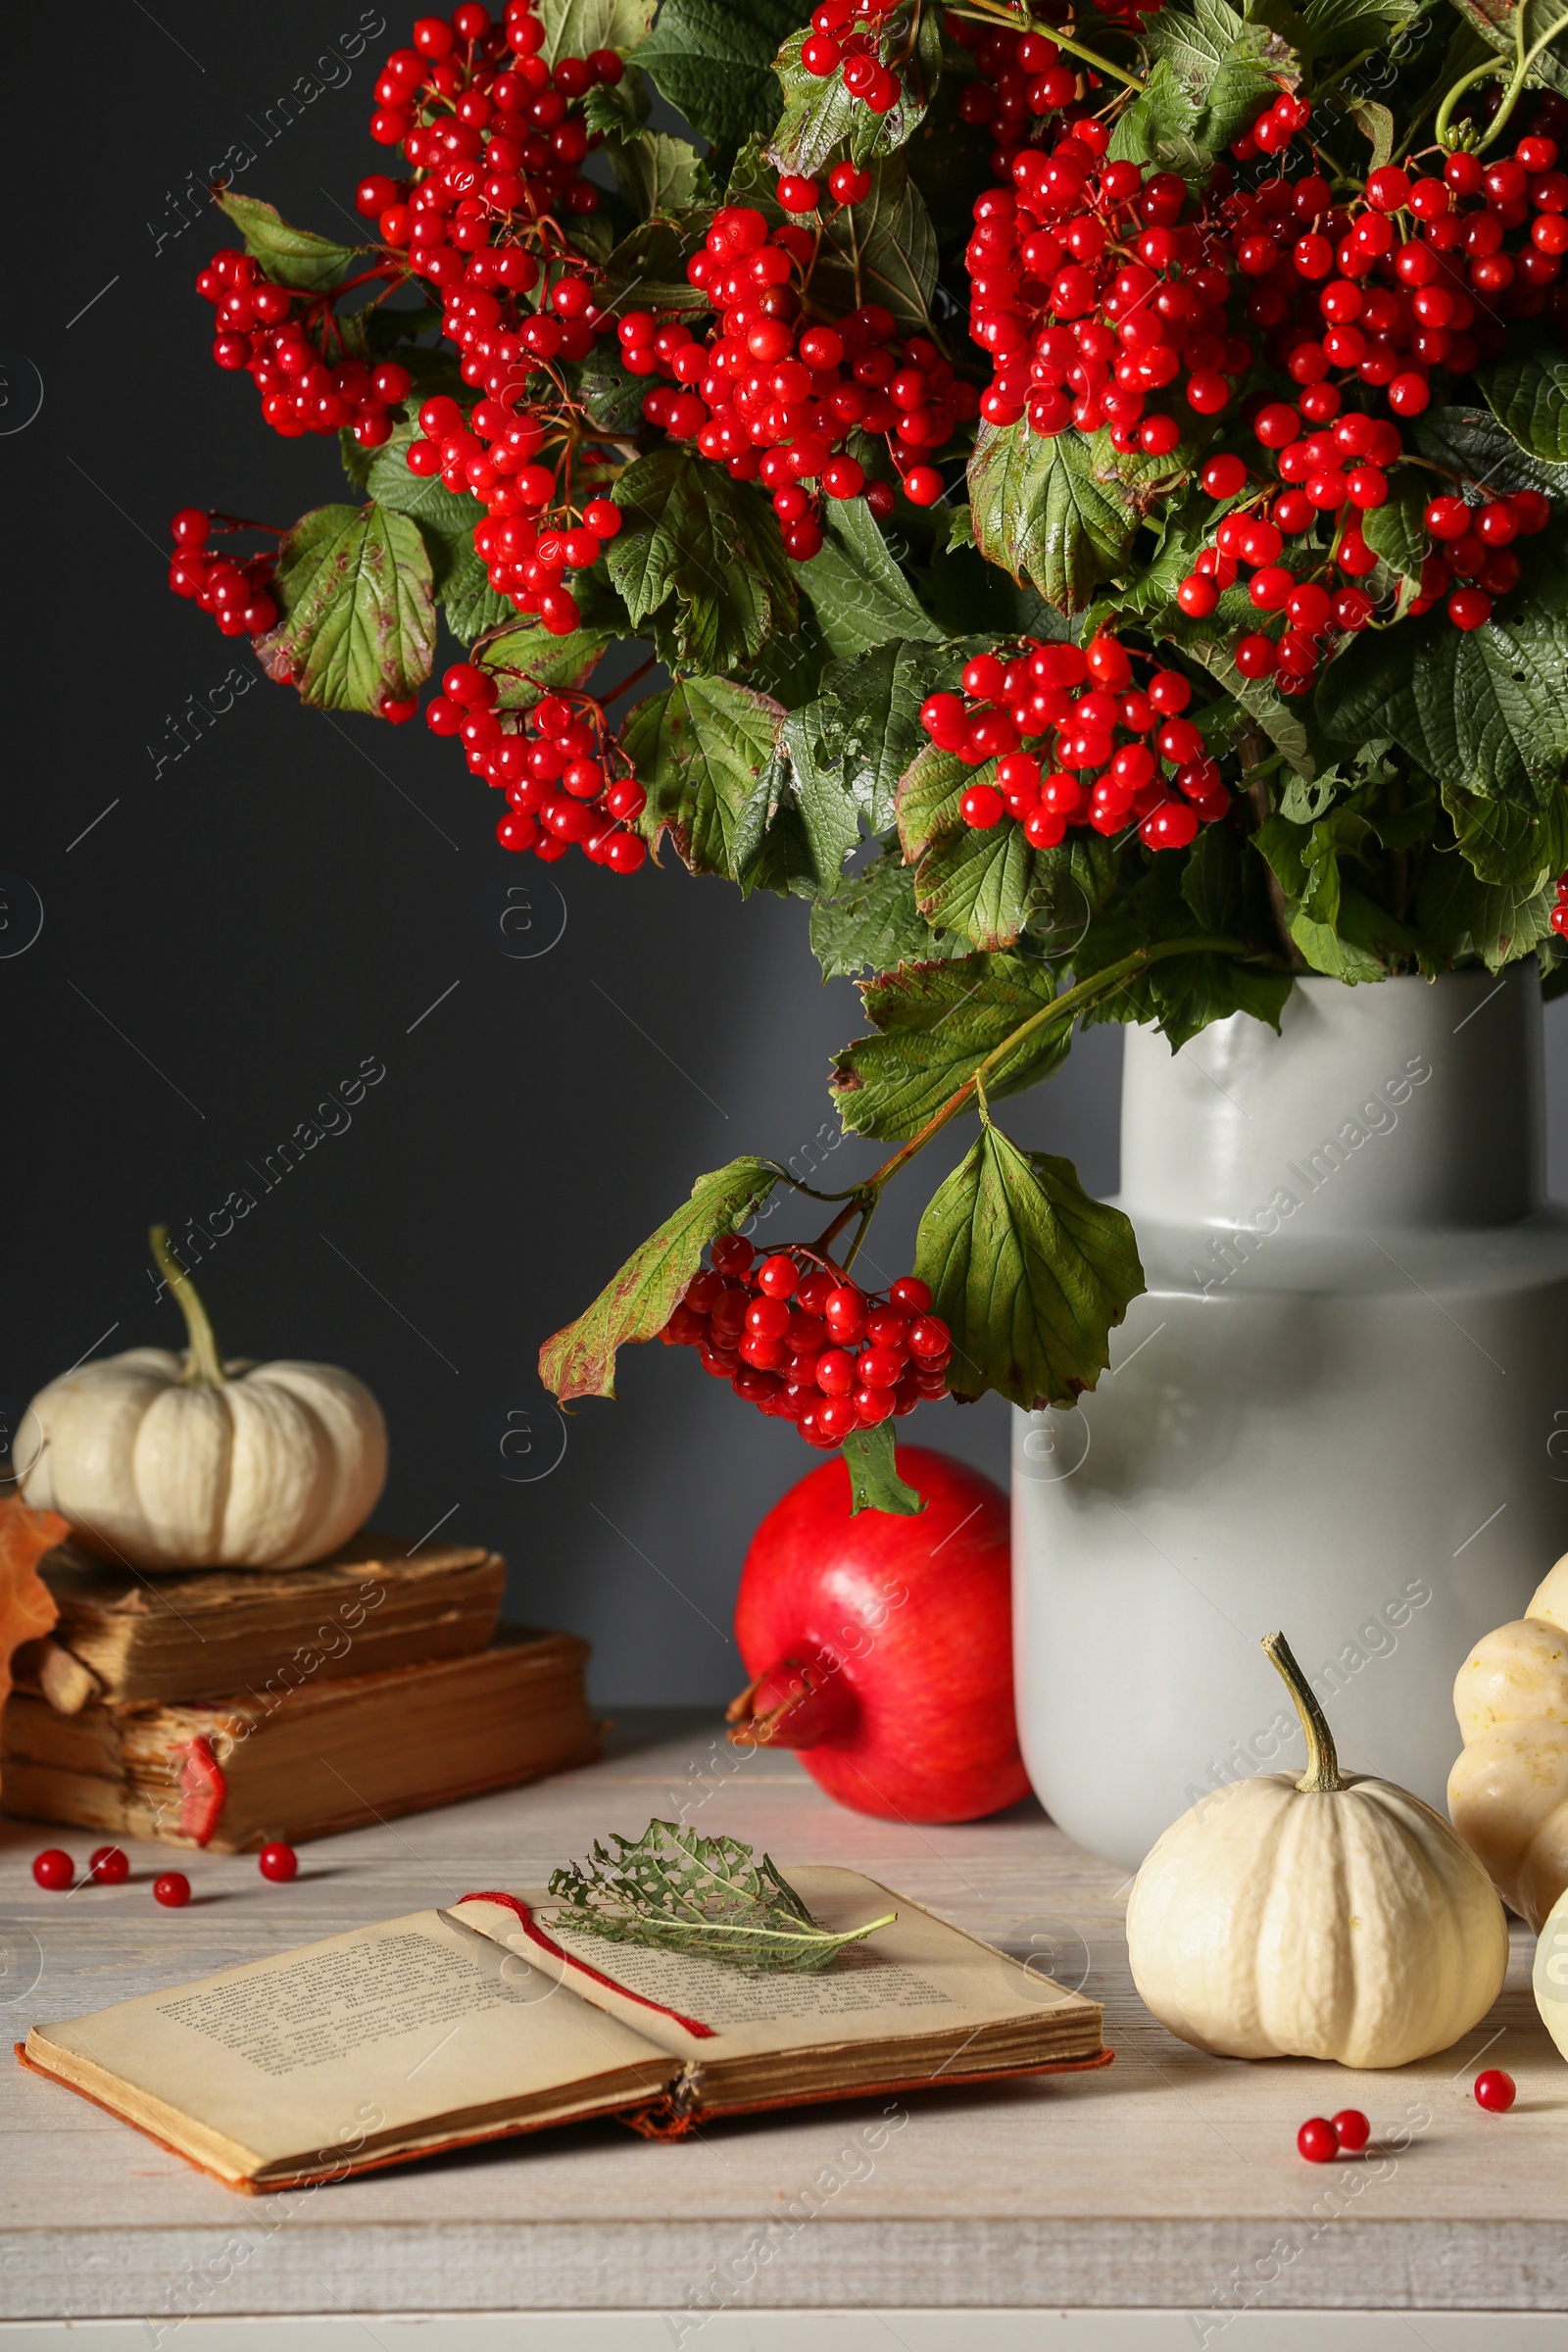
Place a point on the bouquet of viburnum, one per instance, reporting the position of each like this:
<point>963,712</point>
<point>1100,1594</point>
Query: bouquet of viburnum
<point>1091,482</point>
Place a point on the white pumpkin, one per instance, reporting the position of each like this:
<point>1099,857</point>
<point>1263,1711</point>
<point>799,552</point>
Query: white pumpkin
<point>182,1461</point>
<point>1330,1917</point>
<point>1508,1791</point>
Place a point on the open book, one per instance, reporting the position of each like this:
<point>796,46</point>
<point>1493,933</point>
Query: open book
<point>449,2026</point>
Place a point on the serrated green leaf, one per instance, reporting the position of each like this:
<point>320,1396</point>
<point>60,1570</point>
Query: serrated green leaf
<point>857,592</point>
<point>1158,126</point>
<point>580,1360</point>
<point>873,922</point>
<point>447,521</point>
<point>1480,708</point>
<point>646,271</point>
<point>291,257</point>
<point>1461,917</point>
<point>1474,444</point>
<point>1336,27</point>
<point>871,716</point>
<point>799,825</point>
<point>1230,68</point>
<point>699,749</point>
<point>1519,848</point>
<point>1038,510</point>
<point>527,663</point>
<point>935,1024</point>
<point>654,172</point>
<point>1398,530</point>
<point>702,551</point>
<point>577,27</point>
<point>707,1897</point>
<point>982,884</point>
<point>883,249</point>
<point>871,1460</point>
<point>821,119</point>
<point>714,63</point>
<point>355,620</point>
<point>1029,1274</point>
<point>1529,397</point>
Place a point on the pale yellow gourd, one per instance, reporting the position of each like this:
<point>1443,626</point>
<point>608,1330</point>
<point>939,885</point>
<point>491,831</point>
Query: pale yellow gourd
<point>1508,1791</point>
<point>1331,1917</point>
<point>182,1461</point>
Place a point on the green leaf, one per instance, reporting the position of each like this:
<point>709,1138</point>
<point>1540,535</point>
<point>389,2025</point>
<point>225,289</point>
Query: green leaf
<point>447,521</point>
<point>1029,1274</point>
<point>1038,510</point>
<point>870,1458</point>
<point>1480,708</point>
<point>710,547</point>
<point>611,397</point>
<point>1474,443</point>
<point>527,663</point>
<point>580,1360</point>
<point>1397,529</point>
<point>290,257</point>
<point>657,173</point>
<point>1340,931</point>
<point>874,921</point>
<point>707,1897</point>
<point>699,749</point>
<point>799,825</point>
<point>982,884</point>
<point>1460,916</point>
<point>1217,889</point>
<point>356,610</point>
<point>1502,844</point>
<point>1529,397</point>
<point>1336,27</point>
<point>469,605</point>
<point>870,723</point>
<point>1496,22</point>
<point>646,271</point>
<point>859,595</point>
<point>1375,122</point>
<point>1158,126</point>
<point>1282,720</point>
<point>883,250</point>
<point>714,63</point>
<point>577,27</point>
<point>1229,68</point>
<point>820,117</point>
<point>936,1023</point>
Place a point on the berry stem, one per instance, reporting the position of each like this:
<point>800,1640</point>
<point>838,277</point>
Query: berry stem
<point>1322,1777</point>
<point>204,1367</point>
<point>1011,20</point>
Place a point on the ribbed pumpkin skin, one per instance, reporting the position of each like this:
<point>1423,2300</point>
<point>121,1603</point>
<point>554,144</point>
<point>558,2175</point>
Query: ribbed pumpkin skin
<point>1508,1790</point>
<point>273,1469</point>
<point>1351,1924</point>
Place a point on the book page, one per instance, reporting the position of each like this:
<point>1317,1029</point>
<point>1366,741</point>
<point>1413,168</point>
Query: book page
<point>920,1976</point>
<point>319,2052</point>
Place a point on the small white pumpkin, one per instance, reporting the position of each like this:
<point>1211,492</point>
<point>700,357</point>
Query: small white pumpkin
<point>179,1461</point>
<point>1508,1791</point>
<point>1330,1917</point>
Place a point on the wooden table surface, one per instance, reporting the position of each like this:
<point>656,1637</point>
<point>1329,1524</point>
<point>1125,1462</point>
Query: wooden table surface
<point>1169,2179</point>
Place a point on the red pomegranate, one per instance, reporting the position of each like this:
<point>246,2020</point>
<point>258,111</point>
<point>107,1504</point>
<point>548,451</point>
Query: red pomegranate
<point>882,1647</point>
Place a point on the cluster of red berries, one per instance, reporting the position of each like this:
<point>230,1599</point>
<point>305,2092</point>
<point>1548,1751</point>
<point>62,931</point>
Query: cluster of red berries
<point>1105,764</point>
<point>798,1338</point>
<point>1092,302</point>
<point>776,397</point>
<point>237,594</point>
<point>564,776</point>
<point>495,134</point>
<point>495,453</point>
<point>1019,76</point>
<point>1321,2138</point>
<point>109,1866</point>
<point>282,342</point>
<point>847,39</point>
<point>1273,129</point>
<point>1559,912</point>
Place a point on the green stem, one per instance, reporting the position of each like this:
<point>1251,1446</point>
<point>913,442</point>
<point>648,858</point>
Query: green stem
<point>1067,1005</point>
<point>1009,20</point>
<point>203,1365</point>
<point>1322,1776</point>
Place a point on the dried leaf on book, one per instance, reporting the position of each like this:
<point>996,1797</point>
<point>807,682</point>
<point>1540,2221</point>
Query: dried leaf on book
<point>709,1896</point>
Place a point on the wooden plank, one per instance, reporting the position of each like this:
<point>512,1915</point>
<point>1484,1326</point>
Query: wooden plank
<point>1162,2182</point>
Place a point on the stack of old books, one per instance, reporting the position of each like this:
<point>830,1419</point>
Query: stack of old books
<point>223,1708</point>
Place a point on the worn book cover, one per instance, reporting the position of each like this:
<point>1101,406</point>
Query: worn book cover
<point>495,2017</point>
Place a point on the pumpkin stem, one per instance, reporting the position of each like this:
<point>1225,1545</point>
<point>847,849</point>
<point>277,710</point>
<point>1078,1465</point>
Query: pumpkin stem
<point>203,1365</point>
<point>1322,1775</point>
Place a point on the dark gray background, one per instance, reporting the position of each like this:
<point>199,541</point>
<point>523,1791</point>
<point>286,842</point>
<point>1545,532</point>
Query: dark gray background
<point>293,894</point>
